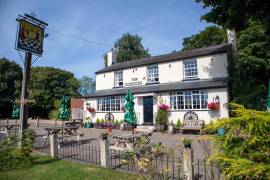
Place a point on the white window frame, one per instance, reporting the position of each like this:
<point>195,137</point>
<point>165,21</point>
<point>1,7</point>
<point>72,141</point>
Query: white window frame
<point>189,100</point>
<point>190,69</point>
<point>118,79</point>
<point>110,103</point>
<point>152,73</point>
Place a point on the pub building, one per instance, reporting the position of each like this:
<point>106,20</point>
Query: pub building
<point>190,82</point>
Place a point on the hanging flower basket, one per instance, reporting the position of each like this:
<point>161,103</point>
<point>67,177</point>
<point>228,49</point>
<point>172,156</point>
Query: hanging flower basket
<point>122,109</point>
<point>213,106</point>
<point>163,107</point>
<point>91,110</point>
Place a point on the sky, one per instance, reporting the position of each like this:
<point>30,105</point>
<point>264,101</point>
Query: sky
<point>161,24</point>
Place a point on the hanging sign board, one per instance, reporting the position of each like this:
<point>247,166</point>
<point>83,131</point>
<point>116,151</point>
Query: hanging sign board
<point>30,37</point>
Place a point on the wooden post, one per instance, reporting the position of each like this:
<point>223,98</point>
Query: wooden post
<point>55,122</point>
<point>54,145</point>
<point>24,94</point>
<point>104,150</point>
<point>7,120</point>
<point>187,162</point>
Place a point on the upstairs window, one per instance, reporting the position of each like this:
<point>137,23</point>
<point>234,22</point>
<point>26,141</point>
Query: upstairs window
<point>190,69</point>
<point>118,79</point>
<point>152,73</point>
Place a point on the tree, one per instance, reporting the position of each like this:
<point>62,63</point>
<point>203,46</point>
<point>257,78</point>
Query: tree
<point>10,85</point>
<point>211,35</point>
<point>129,47</point>
<point>237,13</point>
<point>87,86</point>
<point>254,63</point>
<point>47,85</point>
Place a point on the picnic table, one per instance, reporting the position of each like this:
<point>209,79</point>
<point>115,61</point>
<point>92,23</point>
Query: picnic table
<point>57,129</point>
<point>126,141</point>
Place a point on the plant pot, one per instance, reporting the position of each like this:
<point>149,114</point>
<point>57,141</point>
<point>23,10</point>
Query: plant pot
<point>187,146</point>
<point>160,127</point>
<point>104,137</point>
<point>221,131</point>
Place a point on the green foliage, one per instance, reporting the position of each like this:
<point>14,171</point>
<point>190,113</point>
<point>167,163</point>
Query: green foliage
<point>49,84</point>
<point>87,86</point>
<point>210,36</point>
<point>178,124</point>
<point>245,146</point>
<point>187,141</point>
<point>162,117</point>
<point>97,121</point>
<point>129,47</point>
<point>10,85</point>
<point>11,156</point>
<point>236,14</point>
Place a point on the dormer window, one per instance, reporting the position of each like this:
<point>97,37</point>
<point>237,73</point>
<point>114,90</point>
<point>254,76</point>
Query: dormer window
<point>190,69</point>
<point>152,73</point>
<point>118,78</point>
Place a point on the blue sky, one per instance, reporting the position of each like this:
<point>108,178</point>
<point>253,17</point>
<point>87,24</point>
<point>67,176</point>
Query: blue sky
<point>161,24</point>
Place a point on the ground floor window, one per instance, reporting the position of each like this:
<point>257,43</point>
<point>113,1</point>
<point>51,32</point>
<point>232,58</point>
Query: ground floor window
<point>110,103</point>
<point>196,99</point>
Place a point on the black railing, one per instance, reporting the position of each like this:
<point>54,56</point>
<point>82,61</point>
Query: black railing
<point>41,144</point>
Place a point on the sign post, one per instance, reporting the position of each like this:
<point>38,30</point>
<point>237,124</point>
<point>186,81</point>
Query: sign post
<point>30,37</point>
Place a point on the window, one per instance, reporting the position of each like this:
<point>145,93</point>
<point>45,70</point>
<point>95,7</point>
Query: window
<point>112,103</point>
<point>118,79</point>
<point>152,72</point>
<point>190,69</point>
<point>189,99</point>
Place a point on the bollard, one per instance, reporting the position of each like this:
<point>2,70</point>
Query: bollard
<point>104,150</point>
<point>54,145</point>
<point>7,120</point>
<point>187,162</point>
<point>37,122</point>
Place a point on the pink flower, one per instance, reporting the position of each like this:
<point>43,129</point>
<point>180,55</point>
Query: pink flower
<point>163,106</point>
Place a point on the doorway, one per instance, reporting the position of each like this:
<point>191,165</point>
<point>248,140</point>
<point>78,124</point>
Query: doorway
<point>148,110</point>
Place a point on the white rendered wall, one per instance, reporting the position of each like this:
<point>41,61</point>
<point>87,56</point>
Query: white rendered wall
<point>105,81</point>
<point>170,72</point>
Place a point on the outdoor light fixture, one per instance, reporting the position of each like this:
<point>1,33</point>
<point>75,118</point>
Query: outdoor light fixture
<point>217,99</point>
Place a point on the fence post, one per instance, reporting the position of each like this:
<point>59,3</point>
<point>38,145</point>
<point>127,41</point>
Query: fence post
<point>7,120</point>
<point>187,161</point>
<point>54,145</point>
<point>104,149</point>
<point>37,122</point>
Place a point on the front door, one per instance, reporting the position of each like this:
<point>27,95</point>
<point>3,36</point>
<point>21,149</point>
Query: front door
<point>148,110</point>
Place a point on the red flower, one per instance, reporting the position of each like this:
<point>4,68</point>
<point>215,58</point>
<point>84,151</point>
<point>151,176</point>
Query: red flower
<point>91,110</point>
<point>163,106</point>
<point>213,106</point>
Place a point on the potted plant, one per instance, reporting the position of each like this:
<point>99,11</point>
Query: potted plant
<point>91,109</point>
<point>178,124</point>
<point>104,135</point>
<point>116,124</point>
<point>187,143</point>
<point>171,128</point>
<point>88,122</point>
<point>213,106</point>
<point>162,117</point>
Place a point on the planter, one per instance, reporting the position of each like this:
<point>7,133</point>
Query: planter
<point>221,131</point>
<point>187,146</point>
<point>160,127</point>
<point>88,125</point>
<point>104,137</point>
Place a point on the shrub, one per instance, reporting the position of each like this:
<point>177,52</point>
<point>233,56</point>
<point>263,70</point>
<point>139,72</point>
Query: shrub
<point>162,117</point>
<point>178,124</point>
<point>12,156</point>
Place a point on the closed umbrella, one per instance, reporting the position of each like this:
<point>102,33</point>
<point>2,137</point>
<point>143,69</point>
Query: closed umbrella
<point>63,115</point>
<point>130,116</point>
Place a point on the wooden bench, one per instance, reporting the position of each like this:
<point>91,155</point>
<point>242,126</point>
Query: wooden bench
<point>193,125</point>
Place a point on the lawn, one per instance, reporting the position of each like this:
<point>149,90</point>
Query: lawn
<point>49,169</point>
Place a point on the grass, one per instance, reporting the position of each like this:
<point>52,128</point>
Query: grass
<point>46,168</point>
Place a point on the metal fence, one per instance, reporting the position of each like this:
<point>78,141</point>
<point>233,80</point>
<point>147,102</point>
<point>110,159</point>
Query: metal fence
<point>166,166</point>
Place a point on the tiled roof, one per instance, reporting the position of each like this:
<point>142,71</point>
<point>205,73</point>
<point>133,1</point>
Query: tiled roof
<point>155,88</point>
<point>167,57</point>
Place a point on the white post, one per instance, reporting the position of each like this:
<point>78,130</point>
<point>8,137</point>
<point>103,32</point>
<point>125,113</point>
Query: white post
<point>54,145</point>
<point>187,161</point>
<point>104,150</point>
<point>37,122</point>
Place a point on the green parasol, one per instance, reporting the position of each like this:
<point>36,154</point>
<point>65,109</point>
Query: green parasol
<point>130,116</point>
<point>63,115</point>
<point>15,111</point>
